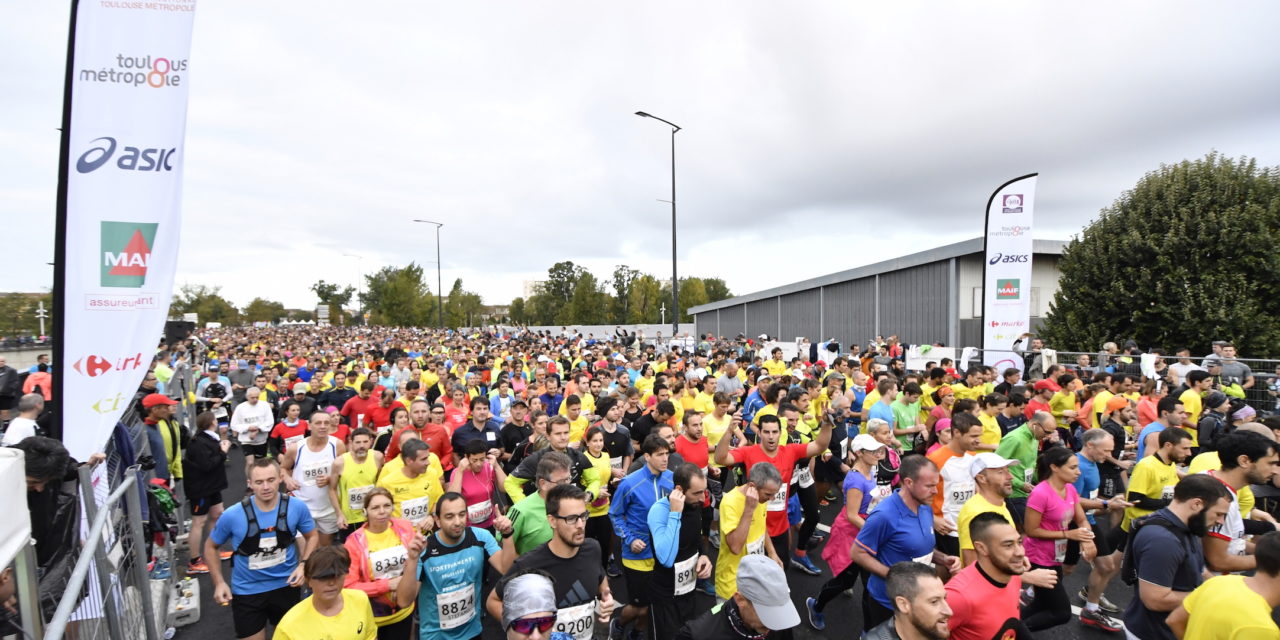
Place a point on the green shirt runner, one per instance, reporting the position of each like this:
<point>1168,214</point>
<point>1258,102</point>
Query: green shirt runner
<point>1021,446</point>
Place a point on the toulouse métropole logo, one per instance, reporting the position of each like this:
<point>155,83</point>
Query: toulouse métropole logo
<point>131,158</point>
<point>126,252</point>
<point>138,71</point>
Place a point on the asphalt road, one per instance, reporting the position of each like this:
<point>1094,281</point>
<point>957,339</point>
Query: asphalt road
<point>843,616</point>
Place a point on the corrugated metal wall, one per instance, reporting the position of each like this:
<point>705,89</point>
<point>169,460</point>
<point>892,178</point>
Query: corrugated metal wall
<point>913,303</point>
<point>762,317</point>
<point>849,312</point>
<point>800,316</point>
<point>732,322</point>
<point>707,323</point>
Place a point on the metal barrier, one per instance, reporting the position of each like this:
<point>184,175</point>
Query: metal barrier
<point>109,594</point>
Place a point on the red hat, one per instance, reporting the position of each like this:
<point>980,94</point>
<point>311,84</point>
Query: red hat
<point>952,372</point>
<point>153,399</point>
<point>1047,384</point>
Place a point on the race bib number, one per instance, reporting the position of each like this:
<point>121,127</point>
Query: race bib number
<point>878,494</point>
<point>686,575</point>
<point>355,497</point>
<point>415,509</point>
<point>1167,493</point>
<point>456,607</point>
<point>925,559</point>
<point>388,563</point>
<point>478,513</point>
<point>1028,475</point>
<point>804,478</point>
<point>578,621</point>
<point>292,440</point>
<point>267,556</point>
<point>220,412</point>
<point>779,500</point>
<point>490,436</point>
<point>756,548</point>
<point>313,471</point>
<point>1060,550</point>
<point>359,420</point>
<point>616,463</point>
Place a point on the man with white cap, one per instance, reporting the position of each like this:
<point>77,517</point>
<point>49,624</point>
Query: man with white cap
<point>993,483</point>
<point>761,606</point>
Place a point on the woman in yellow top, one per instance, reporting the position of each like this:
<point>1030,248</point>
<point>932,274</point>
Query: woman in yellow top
<point>1063,403</point>
<point>991,405</point>
<point>599,526</point>
<point>378,552</point>
<point>644,384</point>
<point>331,611</point>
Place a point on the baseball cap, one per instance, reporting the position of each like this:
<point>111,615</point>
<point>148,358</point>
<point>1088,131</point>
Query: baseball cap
<point>153,399</point>
<point>864,442</point>
<point>987,460</point>
<point>1116,403</point>
<point>212,366</point>
<point>942,424</point>
<point>301,387</point>
<point>1214,399</point>
<point>762,582</point>
<point>1047,384</point>
<point>951,371</point>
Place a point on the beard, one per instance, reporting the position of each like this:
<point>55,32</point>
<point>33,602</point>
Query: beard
<point>929,630</point>
<point>1198,524</point>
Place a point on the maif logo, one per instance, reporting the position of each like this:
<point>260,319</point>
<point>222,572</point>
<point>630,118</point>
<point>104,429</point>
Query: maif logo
<point>126,252</point>
<point>1008,289</point>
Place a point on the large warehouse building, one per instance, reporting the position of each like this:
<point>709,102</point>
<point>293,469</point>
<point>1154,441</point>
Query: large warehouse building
<point>927,297</point>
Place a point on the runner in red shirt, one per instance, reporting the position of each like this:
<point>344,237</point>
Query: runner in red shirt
<point>379,417</point>
<point>692,446</point>
<point>784,458</point>
<point>1040,401</point>
<point>424,420</point>
<point>288,432</point>
<point>359,409</point>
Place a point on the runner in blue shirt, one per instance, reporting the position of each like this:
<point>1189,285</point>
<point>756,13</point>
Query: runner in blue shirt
<point>448,576</point>
<point>266,570</point>
<point>899,530</point>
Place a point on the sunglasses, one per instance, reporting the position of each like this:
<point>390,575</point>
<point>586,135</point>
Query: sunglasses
<point>525,626</point>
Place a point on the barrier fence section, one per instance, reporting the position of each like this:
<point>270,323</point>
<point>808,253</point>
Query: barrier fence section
<point>109,593</point>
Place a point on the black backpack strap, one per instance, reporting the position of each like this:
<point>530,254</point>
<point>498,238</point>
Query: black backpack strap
<point>249,545</point>
<point>284,537</point>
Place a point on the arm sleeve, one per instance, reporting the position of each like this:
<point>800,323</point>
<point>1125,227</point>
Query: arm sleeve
<point>872,531</point>
<point>618,513</point>
<point>1143,501</point>
<point>664,524</point>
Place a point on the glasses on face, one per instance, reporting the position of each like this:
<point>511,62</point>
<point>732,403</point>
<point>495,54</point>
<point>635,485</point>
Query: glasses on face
<point>525,626</point>
<point>572,519</point>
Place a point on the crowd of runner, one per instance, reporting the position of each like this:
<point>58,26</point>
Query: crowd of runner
<point>399,474</point>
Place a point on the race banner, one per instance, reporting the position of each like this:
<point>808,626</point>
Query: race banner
<point>120,210</point>
<point>1006,273</point>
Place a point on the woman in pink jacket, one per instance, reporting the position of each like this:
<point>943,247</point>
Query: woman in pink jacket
<point>378,552</point>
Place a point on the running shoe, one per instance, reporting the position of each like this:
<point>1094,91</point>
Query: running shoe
<point>1100,620</point>
<point>615,569</point>
<point>197,567</point>
<point>816,619</point>
<point>1103,603</point>
<point>806,565</point>
<point>615,629</point>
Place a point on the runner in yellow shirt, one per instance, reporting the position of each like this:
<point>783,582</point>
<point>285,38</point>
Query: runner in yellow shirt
<point>331,612</point>
<point>417,485</point>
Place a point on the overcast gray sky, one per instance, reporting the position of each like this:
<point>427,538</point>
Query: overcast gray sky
<point>817,136</point>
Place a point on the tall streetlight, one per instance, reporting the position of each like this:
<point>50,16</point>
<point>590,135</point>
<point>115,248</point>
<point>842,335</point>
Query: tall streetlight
<point>675,300</point>
<point>439,279</point>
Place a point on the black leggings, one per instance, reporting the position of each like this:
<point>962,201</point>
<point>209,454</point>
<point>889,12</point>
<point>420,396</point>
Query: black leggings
<point>1051,607</point>
<point>835,586</point>
<point>600,529</point>
<point>403,630</point>
<point>782,546</point>
<point>809,505</point>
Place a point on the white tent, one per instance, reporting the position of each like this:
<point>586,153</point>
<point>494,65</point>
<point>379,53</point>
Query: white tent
<point>15,528</point>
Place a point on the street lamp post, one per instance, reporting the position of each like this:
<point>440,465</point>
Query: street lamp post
<point>675,283</point>
<point>439,278</point>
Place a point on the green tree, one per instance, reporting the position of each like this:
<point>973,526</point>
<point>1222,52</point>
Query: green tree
<point>645,297</point>
<point>18,313</point>
<point>399,297</point>
<point>516,311</point>
<point>261,310</point>
<point>335,297</point>
<point>462,308</point>
<point>623,278</point>
<point>302,316</point>
<point>716,289</point>
<point>1186,257</point>
<point>562,278</point>
<point>588,305</point>
<point>691,294</point>
<point>206,302</point>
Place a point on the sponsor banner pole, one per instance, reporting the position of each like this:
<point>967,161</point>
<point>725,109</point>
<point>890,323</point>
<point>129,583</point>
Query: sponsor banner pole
<point>1006,272</point>
<point>120,195</point>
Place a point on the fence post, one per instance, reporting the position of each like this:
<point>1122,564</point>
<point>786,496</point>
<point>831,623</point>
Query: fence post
<point>101,563</point>
<point>29,605</point>
<point>134,512</point>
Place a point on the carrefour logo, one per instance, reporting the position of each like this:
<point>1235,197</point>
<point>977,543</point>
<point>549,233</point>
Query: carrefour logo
<point>102,150</point>
<point>1006,258</point>
<point>1008,289</point>
<point>126,252</point>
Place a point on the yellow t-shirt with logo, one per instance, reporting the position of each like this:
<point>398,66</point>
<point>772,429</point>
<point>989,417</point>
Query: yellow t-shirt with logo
<point>972,508</point>
<point>1194,405</point>
<point>1151,478</point>
<point>357,478</point>
<point>990,429</point>
<point>1225,608</point>
<point>965,393</point>
<point>775,368</point>
<point>354,622</point>
<point>381,542</point>
<point>704,403</point>
<point>404,488</point>
<point>731,508</point>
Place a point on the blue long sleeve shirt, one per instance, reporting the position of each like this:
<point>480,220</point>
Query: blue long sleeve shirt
<point>664,526</point>
<point>629,511</point>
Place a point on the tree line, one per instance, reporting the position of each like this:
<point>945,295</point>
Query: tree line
<point>573,295</point>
